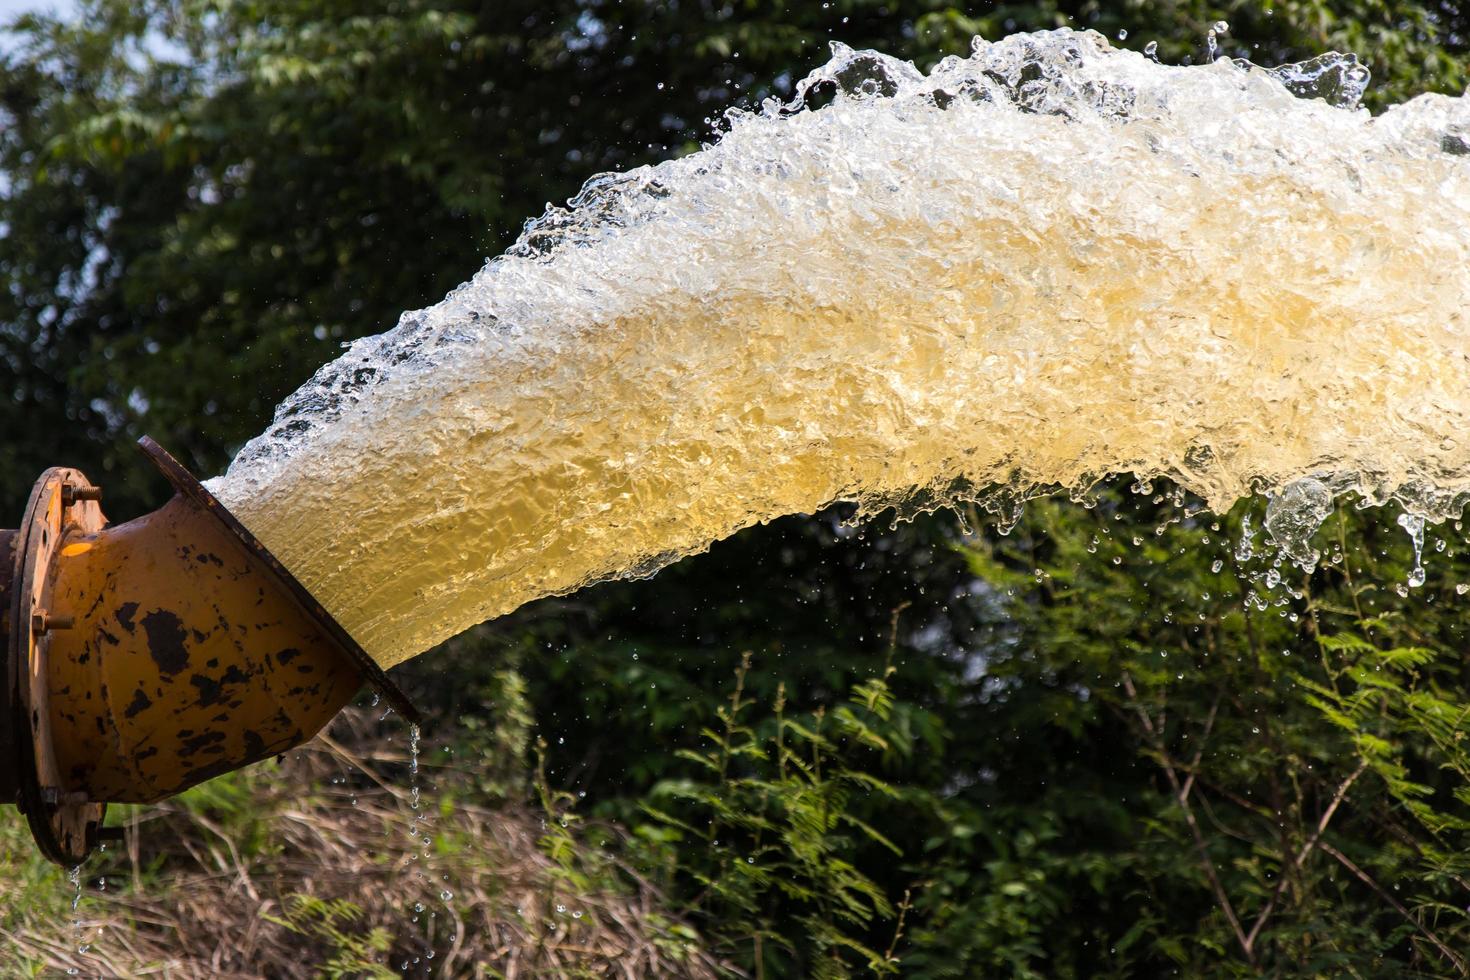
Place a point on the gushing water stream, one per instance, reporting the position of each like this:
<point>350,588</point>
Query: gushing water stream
<point>1030,268</point>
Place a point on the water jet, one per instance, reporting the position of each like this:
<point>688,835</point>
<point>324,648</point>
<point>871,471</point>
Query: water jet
<point>143,658</point>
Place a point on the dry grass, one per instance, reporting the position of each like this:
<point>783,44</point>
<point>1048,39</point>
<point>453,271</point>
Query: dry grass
<point>213,886</point>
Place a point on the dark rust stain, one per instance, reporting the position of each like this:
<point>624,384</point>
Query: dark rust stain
<point>287,655</point>
<point>125,614</point>
<point>210,687</point>
<point>166,641</point>
<point>203,740</point>
<point>141,702</point>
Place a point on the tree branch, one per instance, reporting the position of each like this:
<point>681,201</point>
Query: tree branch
<point>1182,798</point>
<point>1455,959</point>
<point>1301,855</point>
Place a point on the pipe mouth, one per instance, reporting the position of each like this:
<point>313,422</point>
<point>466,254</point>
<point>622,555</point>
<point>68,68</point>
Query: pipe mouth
<point>184,482</point>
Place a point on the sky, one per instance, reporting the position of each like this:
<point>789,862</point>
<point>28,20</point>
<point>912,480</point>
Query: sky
<point>10,9</point>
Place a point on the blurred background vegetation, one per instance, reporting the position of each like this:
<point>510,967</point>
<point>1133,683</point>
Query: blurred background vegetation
<point>1111,742</point>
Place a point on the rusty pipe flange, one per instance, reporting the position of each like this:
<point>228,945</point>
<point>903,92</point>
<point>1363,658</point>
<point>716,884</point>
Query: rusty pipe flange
<point>65,827</point>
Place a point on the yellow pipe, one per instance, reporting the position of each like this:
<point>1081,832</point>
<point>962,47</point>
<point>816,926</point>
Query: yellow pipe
<point>146,657</point>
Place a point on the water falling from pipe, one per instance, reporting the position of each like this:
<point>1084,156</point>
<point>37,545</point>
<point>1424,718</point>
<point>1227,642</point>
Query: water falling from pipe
<point>1032,267</point>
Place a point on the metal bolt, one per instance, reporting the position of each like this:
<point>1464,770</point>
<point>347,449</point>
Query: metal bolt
<point>72,494</point>
<point>43,622</point>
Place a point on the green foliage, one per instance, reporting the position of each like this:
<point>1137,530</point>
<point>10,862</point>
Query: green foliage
<point>765,827</point>
<point>36,893</point>
<point>334,922</point>
<point>494,721</point>
<point>1135,750</point>
<point>1304,731</point>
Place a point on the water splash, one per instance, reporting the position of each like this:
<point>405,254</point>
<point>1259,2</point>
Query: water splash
<point>1032,267</point>
<point>1293,516</point>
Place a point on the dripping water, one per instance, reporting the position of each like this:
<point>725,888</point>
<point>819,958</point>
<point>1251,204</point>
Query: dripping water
<point>78,927</point>
<point>1414,524</point>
